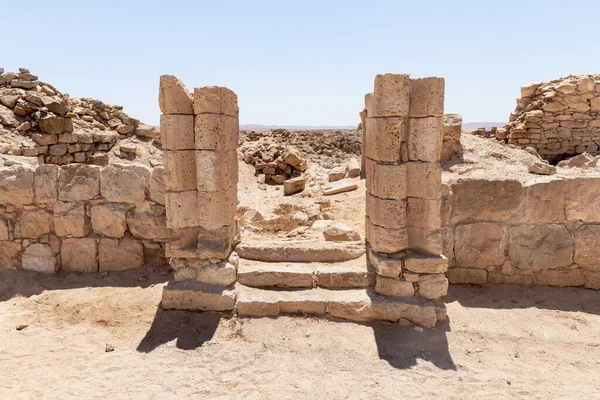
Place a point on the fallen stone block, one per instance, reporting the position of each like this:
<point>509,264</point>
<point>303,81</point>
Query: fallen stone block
<point>345,185</point>
<point>294,185</point>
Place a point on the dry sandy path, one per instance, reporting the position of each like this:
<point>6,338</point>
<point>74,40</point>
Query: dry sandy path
<point>500,342</point>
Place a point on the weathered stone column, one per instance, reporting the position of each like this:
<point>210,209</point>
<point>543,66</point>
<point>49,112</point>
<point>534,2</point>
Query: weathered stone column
<point>403,148</point>
<point>200,136</point>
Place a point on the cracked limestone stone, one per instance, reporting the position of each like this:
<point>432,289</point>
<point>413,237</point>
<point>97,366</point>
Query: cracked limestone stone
<point>70,219</point>
<point>109,219</point>
<point>40,258</point>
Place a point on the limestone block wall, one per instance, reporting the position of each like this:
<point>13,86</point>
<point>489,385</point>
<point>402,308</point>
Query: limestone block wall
<point>558,118</point>
<point>403,142</point>
<point>200,136</point>
<point>81,218</point>
<point>543,232</point>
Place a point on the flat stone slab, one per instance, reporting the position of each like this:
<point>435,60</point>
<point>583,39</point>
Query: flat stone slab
<point>300,251</point>
<point>345,185</point>
<point>352,304</point>
<point>348,274</point>
<point>195,296</point>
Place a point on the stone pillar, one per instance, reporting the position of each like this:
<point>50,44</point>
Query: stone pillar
<point>404,190</point>
<point>200,136</point>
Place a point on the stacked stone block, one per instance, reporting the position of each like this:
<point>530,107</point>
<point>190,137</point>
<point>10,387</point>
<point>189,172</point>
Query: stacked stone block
<point>558,118</point>
<point>200,136</point>
<point>541,232</point>
<point>402,165</point>
<point>81,218</point>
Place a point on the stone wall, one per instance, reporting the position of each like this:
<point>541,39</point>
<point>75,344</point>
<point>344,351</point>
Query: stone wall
<point>403,142</point>
<point>81,218</point>
<point>558,118</point>
<point>542,232</point>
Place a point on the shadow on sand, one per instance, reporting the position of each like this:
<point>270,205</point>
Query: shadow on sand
<point>191,329</point>
<point>505,296</point>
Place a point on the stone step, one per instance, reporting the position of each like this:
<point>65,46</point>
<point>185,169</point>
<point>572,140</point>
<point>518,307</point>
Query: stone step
<point>352,304</point>
<point>195,296</point>
<point>300,251</point>
<point>346,274</point>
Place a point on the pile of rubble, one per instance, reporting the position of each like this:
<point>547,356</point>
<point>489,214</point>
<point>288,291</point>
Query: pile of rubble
<point>327,148</point>
<point>557,118</point>
<point>61,130</point>
<point>273,163</point>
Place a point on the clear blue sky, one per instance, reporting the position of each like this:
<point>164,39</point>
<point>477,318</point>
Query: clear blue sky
<point>301,62</point>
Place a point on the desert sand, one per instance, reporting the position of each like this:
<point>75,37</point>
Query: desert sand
<point>501,341</point>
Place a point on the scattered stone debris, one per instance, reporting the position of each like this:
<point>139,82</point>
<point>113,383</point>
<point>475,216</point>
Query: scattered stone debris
<point>541,168</point>
<point>584,160</point>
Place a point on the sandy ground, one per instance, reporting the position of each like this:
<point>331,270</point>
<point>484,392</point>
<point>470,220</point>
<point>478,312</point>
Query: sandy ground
<point>500,342</point>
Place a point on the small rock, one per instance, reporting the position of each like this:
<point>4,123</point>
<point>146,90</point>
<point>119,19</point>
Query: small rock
<point>253,216</point>
<point>340,232</point>
<point>353,169</point>
<point>328,215</point>
<point>294,185</point>
<point>541,168</point>
<point>336,174</point>
<point>129,148</point>
<point>109,348</point>
<point>21,327</point>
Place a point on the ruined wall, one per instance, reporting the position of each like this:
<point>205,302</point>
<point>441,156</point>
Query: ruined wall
<point>558,118</point>
<point>403,141</point>
<point>81,218</point>
<point>43,122</point>
<point>543,232</point>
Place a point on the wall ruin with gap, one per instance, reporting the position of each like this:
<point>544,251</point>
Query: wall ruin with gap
<point>558,118</point>
<point>81,218</point>
<point>544,232</point>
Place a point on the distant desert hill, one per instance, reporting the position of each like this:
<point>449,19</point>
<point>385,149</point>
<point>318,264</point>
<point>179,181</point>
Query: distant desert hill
<point>260,128</point>
<point>471,126</point>
<point>467,126</point>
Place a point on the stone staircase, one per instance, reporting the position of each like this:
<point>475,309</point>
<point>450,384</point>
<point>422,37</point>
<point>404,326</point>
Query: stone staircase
<point>314,278</point>
<point>290,284</point>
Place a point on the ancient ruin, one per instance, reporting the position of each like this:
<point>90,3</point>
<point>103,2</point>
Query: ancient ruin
<point>367,224</point>
<point>559,119</point>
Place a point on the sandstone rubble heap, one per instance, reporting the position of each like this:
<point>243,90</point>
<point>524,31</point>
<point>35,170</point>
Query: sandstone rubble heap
<point>64,130</point>
<point>558,118</point>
